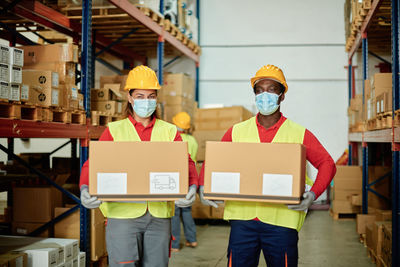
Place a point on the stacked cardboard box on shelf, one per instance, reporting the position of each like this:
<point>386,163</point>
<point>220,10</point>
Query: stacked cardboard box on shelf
<point>55,58</point>
<point>177,95</point>
<point>348,185</point>
<point>70,228</point>
<point>11,63</point>
<point>355,113</point>
<point>40,252</point>
<point>33,207</point>
<point>382,90</point>
<point>108,99</point>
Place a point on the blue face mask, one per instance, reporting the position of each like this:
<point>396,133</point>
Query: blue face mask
<point>144,107</point>
<point>267,103</point>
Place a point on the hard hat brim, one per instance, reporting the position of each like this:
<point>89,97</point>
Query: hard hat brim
<point>254,81</point>
<point>127,88</point>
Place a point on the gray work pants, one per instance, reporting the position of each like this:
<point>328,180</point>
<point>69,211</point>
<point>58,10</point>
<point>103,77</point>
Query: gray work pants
<point>142,241</point>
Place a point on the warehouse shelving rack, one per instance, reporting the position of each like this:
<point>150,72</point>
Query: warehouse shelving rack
<point>373,38</point>
<point>29,13</point>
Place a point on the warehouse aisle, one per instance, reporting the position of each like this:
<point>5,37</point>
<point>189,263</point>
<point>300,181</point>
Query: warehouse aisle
<point>323,242</point>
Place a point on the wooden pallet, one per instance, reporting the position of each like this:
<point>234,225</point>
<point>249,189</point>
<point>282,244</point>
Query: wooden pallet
<point>78,117</point>
<point>100,118</point>
<point>10,110</point>
<point>154,15</point>
<point>396,121</point>
<point>60,115</point>
<point>35,113</point>
<point>359,127</point>
<point>384,120</point>
<point>342,216</point>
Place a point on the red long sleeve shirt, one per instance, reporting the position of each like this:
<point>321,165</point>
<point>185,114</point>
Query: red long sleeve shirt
<point>144,134</point>
<point>315,154</point>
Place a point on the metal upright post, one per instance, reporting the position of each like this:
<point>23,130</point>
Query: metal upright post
<point>10,146</point>
<point>364,144</point>
<point>160,50</point>
<point>350,79</point>
<point>395,147</point>
<point>86,64</point>
<point>197,92</point>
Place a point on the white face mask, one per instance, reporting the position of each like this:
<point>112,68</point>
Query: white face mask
<point>144,107</point>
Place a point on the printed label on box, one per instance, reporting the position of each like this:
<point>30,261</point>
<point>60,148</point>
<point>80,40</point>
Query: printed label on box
<point>4,54</point>
<point>225,182</point>
<point>112,183</point>
<point>5,72</point>
<point>74,93</point>
<point>4,90</point>
<point>16,75</point>
<point>54,79</point>
<point>277,184</point>
<point>19,262</point>
<point>119,107</point>
<point>15,92</point>
<point>25,92</point>
<point>164,183</point>
<point>54,97</point>
<point>18,57</point>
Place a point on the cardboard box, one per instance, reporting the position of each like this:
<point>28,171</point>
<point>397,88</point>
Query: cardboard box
<point>25,228</point>
<point>69,97</point>
<point>200,211</point>
<point>14,259</point>
<point>344,207</point>
<point>110,107</point>
<point>178,84</point>
<point>15,92</point>
<point>5,73</point>
<point>65,70</point>
<point>120,79</point>
<point>356,103</point>
<point>382,82</point>
<point>202,137</point>
<point>40,85</point>
<point>70,228</point>
<point>218,213</point>
<point>377,237</point>
<point>383,215</point>
<point>269,172</point>
<point>71,246</point>
<point>344,194</point>
<point>15,74</point>
<point>362,221</point>
<point>4,91</point>
<point>82,259</point>
<point>171,110</point>
<point>368,235</point>
<point>220,118</point>
<point>50,53</point>
<point>44,257</point>
<point>24,92</point>
<point>35,204</point>
<point>387,244</point>
<point>4,54</point>
<point>356,200</point>
<point>348,178</point>
<point>156,171</point>
<point>388,101</point>
<point>16,56</point>
<point>106,94</point>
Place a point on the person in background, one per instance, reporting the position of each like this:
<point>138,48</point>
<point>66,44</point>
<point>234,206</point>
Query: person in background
<point>182,122</point>
<point>139,233</point>
<point>272,228</point>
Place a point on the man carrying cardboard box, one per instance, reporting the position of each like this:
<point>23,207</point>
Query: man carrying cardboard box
<point>259,225</point>
<point>139,233</point>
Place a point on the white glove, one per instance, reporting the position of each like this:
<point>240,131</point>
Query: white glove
<point>88,201</point>
<point>308,199</point>
<point>206,201</point>
<point>189,199</point>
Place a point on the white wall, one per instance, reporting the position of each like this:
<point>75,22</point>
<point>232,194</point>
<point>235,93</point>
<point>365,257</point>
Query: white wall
<point>304,38</point>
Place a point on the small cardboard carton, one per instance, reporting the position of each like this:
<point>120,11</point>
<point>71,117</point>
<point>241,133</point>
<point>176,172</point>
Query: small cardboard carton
<point>138,171</point>
<point>266,172</point>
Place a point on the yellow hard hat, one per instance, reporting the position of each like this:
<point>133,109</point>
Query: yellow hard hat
<point>182,120</point>
<point>142,77</point>
<point>270,72</point>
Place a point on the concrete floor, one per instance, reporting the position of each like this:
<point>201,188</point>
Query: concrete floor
<point>323,242</point>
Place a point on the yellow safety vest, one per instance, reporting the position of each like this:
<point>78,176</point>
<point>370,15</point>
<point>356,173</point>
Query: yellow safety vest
<point>124,130</point>
<point>192,145</point>
<point>275,214</point>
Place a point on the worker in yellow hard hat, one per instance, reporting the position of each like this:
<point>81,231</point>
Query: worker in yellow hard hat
<point>182,122</point>
<point>272,228</point>
<point>139,233</point>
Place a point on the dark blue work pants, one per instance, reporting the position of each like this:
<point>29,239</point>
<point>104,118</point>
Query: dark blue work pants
<point>247,238</point>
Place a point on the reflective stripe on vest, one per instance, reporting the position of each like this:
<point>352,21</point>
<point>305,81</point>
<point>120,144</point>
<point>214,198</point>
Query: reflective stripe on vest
<point>192,145</point>
<point>124,130</point>
<point>275,214</point>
